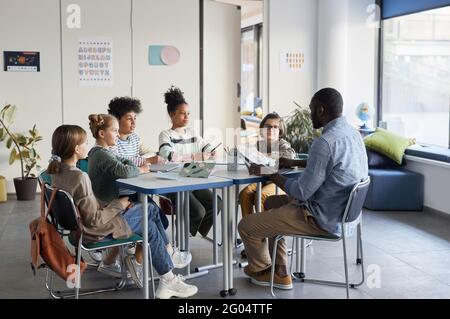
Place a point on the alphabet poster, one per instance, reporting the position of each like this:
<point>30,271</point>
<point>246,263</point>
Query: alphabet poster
<point>291,61</point>
<point>95,62</point>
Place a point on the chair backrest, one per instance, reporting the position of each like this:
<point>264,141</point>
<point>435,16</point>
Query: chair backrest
<point>82,164</point>
<point>63,209</point>
<point>44,178</point>
<point>356,200</point>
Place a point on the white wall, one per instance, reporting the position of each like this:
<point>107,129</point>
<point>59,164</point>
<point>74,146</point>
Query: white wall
<point>104,19</point>
<point>292,26</point>
<point>436,184</point>
<point>35,26</point>
<point>168,22</point>
<point>347,52</point>
<point>26,26</point>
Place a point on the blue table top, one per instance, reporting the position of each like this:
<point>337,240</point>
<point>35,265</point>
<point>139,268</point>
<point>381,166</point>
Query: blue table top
<point>151,185</point>
<point>241,176</point>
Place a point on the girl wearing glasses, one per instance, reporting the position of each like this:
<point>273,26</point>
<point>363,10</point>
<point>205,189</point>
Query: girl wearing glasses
<point>272,144</point>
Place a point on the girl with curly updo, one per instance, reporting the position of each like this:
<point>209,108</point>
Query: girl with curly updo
<point>181,144</point>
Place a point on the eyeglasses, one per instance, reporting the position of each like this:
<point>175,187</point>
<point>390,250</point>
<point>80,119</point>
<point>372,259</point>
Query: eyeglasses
<point>270,127</point>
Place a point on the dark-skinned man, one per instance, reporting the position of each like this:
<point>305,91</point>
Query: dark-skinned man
<point>315,201</point>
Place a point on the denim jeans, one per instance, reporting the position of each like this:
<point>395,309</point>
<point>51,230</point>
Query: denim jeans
<point>135,199</point>
<point>157,237</point>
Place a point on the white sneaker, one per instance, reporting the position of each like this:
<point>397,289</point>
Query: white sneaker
<point>181,259</point>
<point>175,288</point>
<point>114,269</point>
<point>96,255</point>
<point>135,270</point>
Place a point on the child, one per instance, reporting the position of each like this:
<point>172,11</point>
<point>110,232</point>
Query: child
<point>69,144</point>
<point>180,144</point>
<point>128,144</point>
<point>272,132</point>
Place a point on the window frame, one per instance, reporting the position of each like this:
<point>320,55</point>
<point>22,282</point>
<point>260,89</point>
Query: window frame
<point>380,55</point>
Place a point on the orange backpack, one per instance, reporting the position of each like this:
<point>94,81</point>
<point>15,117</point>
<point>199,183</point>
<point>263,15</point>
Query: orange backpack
<point>47,243</point>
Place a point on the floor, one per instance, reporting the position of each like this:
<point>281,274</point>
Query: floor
<point>406,255</point>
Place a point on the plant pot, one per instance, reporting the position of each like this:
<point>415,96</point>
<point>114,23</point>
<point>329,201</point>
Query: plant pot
<point>25,188</point>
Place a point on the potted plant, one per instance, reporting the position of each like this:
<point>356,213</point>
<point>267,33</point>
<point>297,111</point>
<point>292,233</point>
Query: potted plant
<point>23,148</point>
<point>299,129</point>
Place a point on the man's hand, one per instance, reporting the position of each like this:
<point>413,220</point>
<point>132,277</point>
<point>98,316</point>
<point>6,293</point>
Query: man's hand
<point>290,163</point>
<point>156,160</point>
<point>285,162</point>
<point>260,170</point>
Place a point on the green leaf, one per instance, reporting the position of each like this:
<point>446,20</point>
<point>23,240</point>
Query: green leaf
<point>12,156</point>
<point>9,143</point>
<point>2,134</point>
<point>21,139</point>
<point>9,113</point>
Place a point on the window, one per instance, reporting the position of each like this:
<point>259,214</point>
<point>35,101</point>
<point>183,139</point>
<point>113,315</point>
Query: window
<point>416,76</point>
<point>250,68</point>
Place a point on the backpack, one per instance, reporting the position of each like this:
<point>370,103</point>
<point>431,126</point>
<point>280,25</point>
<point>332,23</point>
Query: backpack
<point>48,245</point>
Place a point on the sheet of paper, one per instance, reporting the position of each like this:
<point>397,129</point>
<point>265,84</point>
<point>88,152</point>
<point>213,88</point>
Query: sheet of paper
<point>255,157</point>
<point>168,176</point>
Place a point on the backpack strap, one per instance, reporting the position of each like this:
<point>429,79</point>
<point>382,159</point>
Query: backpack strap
<point>52,198</point>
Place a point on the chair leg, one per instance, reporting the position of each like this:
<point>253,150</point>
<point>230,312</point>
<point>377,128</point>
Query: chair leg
<point>272,270</point>
<point>47,278</point>
<point>78,274</point>
<point>358,246</point>
<point>345,264</point>
<point>361,261</point>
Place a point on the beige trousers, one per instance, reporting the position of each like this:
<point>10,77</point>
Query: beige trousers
<point>281,218</point>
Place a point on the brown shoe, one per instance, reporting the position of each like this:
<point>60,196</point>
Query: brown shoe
<point>262,278</point>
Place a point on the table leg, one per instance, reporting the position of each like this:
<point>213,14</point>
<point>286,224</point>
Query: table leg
<point>258,197</point>
<point>225,243</point>
<point>215,248</point>
<point>143,200</point>
<point>231,228</point>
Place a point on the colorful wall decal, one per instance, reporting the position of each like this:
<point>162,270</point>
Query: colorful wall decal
<point>163,55</point>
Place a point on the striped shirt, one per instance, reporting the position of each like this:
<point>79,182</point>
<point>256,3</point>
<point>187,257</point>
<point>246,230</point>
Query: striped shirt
<point>130,148</point>
<point>181,143</point>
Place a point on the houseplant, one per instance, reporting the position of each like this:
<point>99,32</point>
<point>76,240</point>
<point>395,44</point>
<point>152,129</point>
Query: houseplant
<point>23,148</point>
<point>299,129</point>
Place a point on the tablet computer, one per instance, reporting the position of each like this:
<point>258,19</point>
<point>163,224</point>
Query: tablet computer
<point>197,169</point>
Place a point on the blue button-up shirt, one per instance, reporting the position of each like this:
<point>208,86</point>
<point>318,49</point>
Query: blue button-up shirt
<point>337,161</point>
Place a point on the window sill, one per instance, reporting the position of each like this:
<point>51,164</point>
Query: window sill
<point>432,155</point>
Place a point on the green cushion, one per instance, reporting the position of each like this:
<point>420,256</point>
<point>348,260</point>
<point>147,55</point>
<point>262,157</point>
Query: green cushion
<point>388,144</point>
<point>113,242</point>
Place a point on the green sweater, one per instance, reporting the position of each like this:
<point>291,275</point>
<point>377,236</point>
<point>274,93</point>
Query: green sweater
<point>104,167</point>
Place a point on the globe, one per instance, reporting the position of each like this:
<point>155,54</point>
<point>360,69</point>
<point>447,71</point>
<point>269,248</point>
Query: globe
<point>364,113</point>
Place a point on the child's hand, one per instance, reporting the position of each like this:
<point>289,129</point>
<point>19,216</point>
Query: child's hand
<point>144,169</point>
<point>156,160</point>
<point>207,155</point>
<point>125,202</point>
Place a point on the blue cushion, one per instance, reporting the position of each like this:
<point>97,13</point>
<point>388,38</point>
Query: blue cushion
<point>395,189</point>
<point>377,160</point>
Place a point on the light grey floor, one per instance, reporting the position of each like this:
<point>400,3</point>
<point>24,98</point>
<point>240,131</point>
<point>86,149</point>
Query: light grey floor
<point>407,255</point>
